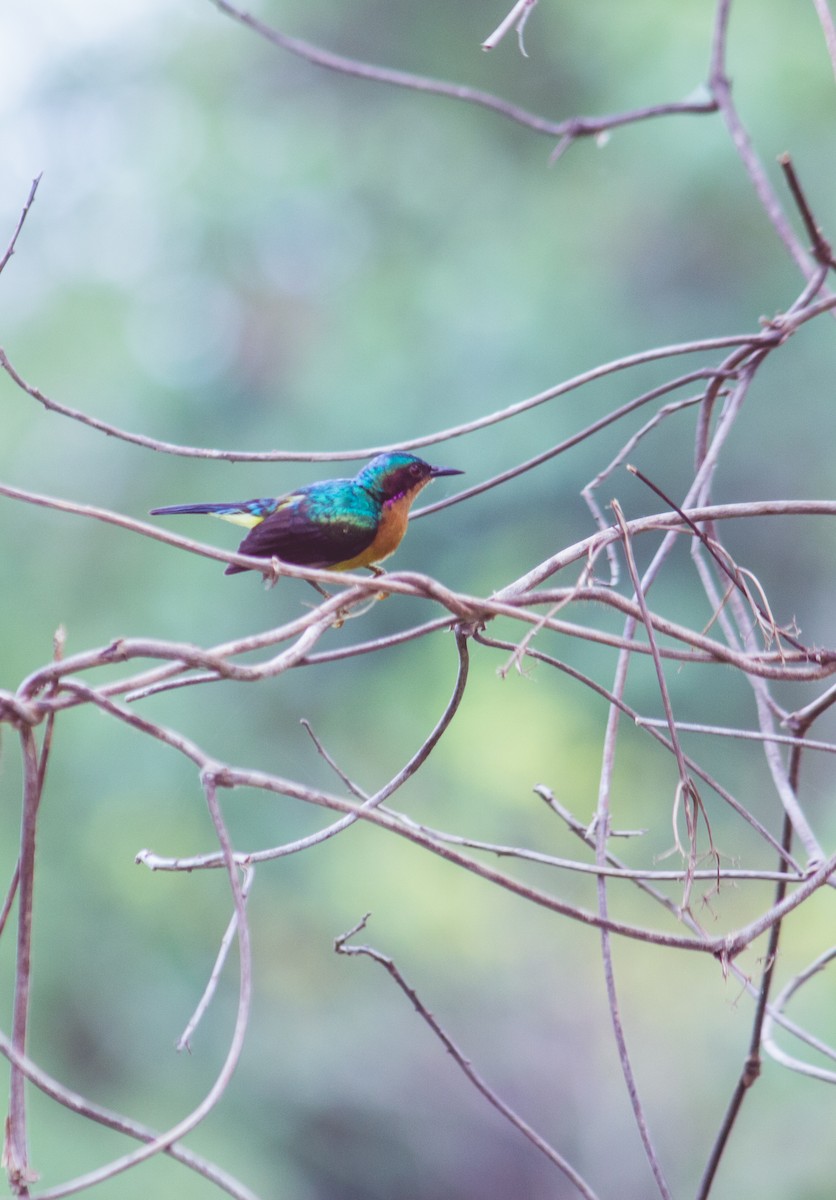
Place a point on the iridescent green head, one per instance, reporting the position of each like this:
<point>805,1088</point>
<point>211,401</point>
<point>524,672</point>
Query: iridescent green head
<point>390,476</point>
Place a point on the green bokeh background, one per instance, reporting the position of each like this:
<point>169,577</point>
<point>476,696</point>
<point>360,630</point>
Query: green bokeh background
<point>232,248</point>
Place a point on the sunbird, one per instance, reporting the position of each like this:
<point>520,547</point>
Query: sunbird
<point>339,524</point>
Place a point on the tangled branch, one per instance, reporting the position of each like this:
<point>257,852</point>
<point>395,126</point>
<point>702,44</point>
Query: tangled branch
<point>733,632</point>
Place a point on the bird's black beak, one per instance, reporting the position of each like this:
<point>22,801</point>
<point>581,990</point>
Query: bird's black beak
<point>436,471</point>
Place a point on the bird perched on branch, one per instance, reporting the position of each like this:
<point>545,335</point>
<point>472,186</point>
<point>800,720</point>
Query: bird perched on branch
<point>336,523</point>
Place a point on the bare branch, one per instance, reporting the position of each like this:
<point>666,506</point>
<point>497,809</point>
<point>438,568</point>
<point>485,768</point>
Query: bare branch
<point>10,249</point>
<point>821,249</point>
<point>765,338</point>
<point>574,128</point>
<point>733,632</point>
<point>828,28</point>
<point>516,18</point>
<point>722,93</point>
<point>16,1149</point>
<point>341,947</point>
<point>820,963</point>
<point>163,1141</point>
<point>184,1041</point>
<point>111,1120</point>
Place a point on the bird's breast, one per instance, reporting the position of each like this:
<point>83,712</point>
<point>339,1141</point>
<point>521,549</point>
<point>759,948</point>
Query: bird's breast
<point>390,530</point>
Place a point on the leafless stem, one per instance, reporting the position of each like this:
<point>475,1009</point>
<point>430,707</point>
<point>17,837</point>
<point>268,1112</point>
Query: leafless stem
<point>341,946</point>
<point>826,18</point>
<point>575,127</point>
<point>722,93</point>
<point>732,635</point>
<point>515,18</point>
<point>184,1041</point>
<point>163,1141</point>
<point>16,1149</point>
<point>821,249</point>
<point>103,1116</point>
<point>752,1065</point>
<point>10,249</point>
<point>820,963</point>
<point>765,339</point>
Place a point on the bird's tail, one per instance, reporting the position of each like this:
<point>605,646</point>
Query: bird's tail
<point>242,512</point>
<point>216,510</point>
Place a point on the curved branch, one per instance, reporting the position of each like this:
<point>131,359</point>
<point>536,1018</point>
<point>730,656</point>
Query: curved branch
<point>764,338</point>
<point>573,128</point>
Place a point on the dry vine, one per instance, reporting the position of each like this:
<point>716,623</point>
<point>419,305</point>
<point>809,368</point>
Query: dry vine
<point>740,635</point>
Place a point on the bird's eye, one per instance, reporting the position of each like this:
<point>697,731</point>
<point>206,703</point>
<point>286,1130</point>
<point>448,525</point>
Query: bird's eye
<point>415,469</point>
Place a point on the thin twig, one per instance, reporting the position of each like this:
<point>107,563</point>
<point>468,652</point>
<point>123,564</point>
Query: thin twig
<point>341,947</point>
<point>111,1120</point>
<point>763,338</point>
<point>16,1149</point>
<point>517,17</point>
<point>828,28</point>
<point>163,1141</point>
<point>406,772</point>
<point>602,827</point>
<point>9,898</point>
<point>722,93</point>
<point>723,560</point>
<point>686,788</point>
<point>820,963</point>
<point>611,698</point>
<point>10,249</point>
<point>184,1041</point>
<point>821,249</point>
<point>576,126</point>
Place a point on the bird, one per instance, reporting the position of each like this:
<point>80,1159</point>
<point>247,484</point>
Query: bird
<point>338,524</point>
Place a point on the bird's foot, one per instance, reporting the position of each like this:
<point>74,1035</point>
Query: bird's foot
<point>377,572</point>
<point>272,577</point>
<point>340,616</point>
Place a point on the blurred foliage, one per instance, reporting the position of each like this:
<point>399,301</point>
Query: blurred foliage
<point>232,248</point>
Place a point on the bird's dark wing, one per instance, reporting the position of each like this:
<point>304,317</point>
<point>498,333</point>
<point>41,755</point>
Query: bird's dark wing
<point>311,531</point>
